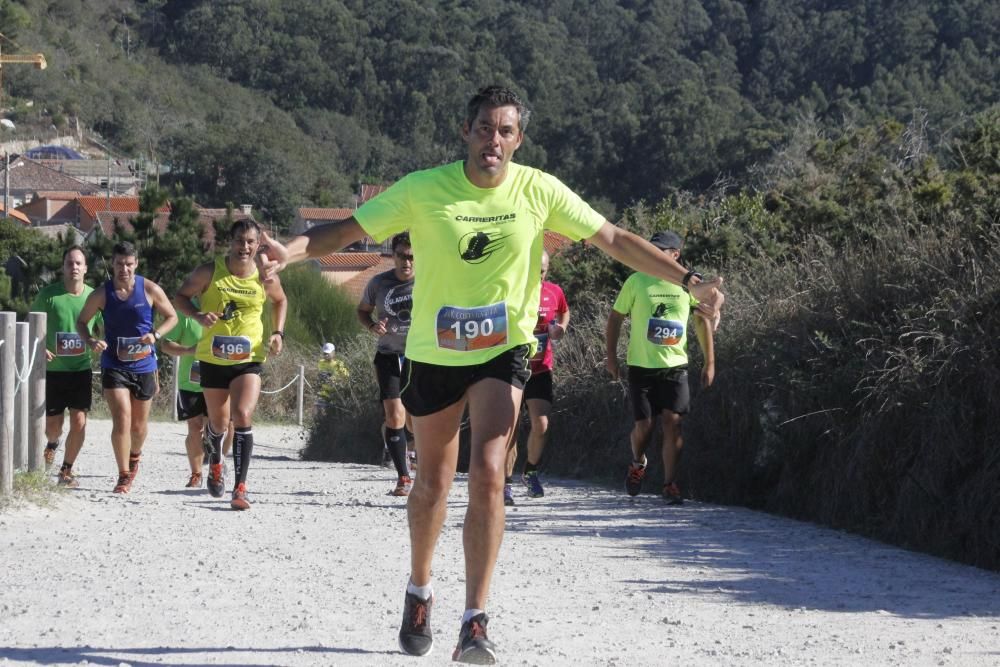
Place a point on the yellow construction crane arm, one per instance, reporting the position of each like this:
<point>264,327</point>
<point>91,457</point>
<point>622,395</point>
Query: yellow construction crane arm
<point>36,59</point>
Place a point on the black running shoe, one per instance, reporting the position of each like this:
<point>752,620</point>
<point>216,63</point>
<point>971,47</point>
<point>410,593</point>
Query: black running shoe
<point>474,647</point>
<point>216,480</point>
<point>415,637</point>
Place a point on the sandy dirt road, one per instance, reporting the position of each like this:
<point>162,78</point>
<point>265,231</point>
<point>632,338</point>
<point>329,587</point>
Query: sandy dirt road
<point>314,575</point>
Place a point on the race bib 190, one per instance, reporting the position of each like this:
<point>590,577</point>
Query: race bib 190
<point>69,344</point>
<point>468,329</point>
<point>132,349</point>
<point>664,332</point>
<point>194,375</point>
<point>231,348</point>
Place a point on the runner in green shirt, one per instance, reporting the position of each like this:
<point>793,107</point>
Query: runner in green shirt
<point>68,375</point>
<point>657,363</point>
<point>477,226</point>
<point>181,342</point>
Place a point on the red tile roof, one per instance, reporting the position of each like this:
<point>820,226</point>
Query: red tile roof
<point>555,243</point>
<point>369,191</point>
<point>355,287</point>
<point>349,261</point>
<point>92,205</point>
<point>325,213</point>
<point>16,215</point>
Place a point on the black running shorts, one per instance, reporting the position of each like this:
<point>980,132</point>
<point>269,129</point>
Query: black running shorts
<point>142,386</point>
<point>388,370</point>
<point>68,390</point>
<point>654,390</point>
<point>430,388</point>
<point>217,376</point>
<point>539,387</point>
<point>190,404</point>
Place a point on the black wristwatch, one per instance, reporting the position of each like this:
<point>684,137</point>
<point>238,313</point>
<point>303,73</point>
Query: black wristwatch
<point>687,278</point>
<point>157,335</point>
<point>279,332</point>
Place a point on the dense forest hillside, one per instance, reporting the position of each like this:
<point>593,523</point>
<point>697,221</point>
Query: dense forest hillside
<point>280,104</point>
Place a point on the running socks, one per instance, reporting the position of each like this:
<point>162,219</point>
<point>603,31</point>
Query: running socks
<point>422,592</point>
<point>215,440</point>
<point>395,440</point>
<point>471,614</point>
<point>529,467</point>
<point>242,451</point>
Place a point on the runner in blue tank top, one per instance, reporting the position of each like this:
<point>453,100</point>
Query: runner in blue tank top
<point>128,362</point>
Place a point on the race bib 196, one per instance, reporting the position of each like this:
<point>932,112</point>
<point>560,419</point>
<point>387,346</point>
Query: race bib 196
<point>468,329</point>
<point>231,348</point>
<point>132,349</point>
<point>69,344</point>
<point>194,375</point>
<point>664,332</point>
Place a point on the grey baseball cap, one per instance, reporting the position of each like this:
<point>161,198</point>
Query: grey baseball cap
<point>667,239</point>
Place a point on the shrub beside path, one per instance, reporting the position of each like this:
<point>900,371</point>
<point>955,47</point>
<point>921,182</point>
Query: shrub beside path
<point>313,574</point>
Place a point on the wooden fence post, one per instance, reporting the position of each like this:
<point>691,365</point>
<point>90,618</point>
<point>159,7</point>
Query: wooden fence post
<point>7,372</point>
<point>36,393</point>
<point>22,357</point>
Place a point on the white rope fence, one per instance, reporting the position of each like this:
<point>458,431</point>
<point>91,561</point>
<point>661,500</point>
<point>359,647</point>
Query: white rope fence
<point>23,377</point>
<point>278,391</point>
<point>299,379</point>
<point>22,396</point>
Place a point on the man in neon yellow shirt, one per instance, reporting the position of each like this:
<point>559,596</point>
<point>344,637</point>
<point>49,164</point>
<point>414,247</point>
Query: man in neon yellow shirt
<point>657,364</point>
<point>478,226</point>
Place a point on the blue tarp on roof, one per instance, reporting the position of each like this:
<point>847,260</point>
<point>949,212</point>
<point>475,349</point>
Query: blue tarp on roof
<point>52,153</point>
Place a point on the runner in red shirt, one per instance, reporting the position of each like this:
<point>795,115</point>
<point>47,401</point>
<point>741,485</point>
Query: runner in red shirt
<point>553,319</point>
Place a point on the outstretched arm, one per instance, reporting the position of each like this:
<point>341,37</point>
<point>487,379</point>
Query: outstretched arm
<point>316,242</point>
<point>641,255</point>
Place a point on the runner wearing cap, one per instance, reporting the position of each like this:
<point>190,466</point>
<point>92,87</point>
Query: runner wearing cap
<point>658,363</point>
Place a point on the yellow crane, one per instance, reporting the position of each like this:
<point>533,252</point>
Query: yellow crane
<point>36,59</point>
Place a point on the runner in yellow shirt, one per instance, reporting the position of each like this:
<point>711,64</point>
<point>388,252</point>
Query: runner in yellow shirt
<point>478,226</point>
<point>232,348</point>
<point>658,364</point>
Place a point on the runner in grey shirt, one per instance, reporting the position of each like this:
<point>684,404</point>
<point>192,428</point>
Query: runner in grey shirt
<point>389,298</point>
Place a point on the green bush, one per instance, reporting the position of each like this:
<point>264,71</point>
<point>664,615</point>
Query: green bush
<point>318,312</point>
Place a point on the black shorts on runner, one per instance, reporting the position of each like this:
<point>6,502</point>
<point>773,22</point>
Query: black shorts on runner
<point>217,376</point>
<point>142,386</point>
<point>388,370</point>
<point>68,390</point>
<point>190,404</point>
<point>430,388</point>
<point>539,387</point>
<point>654,390</point>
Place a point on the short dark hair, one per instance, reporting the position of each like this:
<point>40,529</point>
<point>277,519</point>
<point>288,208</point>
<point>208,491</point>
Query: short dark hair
<point>70,249</point>
<point>403,238</point>
<point>244,225</point>
<point>497,96</point>
<point>125,249</point>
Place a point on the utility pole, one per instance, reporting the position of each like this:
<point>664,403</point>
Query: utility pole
<point>6,184</point>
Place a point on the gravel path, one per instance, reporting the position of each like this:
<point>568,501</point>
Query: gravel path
<point>314,575</point>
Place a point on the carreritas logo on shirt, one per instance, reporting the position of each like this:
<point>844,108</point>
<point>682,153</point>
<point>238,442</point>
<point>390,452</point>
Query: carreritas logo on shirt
<point>506,217</point>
